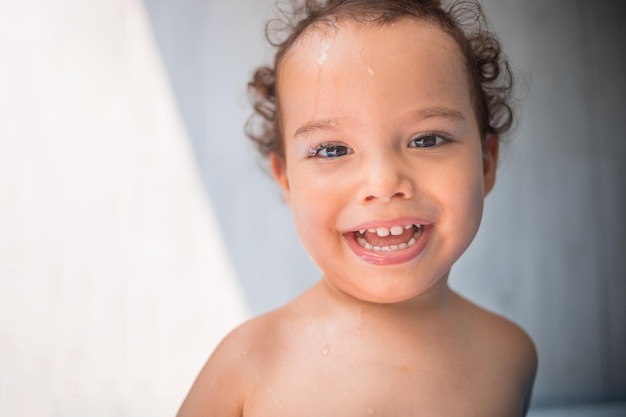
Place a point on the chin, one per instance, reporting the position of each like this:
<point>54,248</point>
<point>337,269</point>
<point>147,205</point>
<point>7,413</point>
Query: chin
<point>383,291</point>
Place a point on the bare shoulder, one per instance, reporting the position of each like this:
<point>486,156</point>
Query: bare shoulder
<point>231,370</point>
<point>505,349</point>
<point>496,333</point>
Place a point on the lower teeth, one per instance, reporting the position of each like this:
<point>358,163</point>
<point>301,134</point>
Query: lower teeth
<point>391,248</point>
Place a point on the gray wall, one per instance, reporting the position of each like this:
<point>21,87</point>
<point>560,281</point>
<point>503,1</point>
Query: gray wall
<point>550,251</point>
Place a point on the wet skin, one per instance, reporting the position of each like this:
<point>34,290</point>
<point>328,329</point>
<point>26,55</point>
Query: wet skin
<point>379,134</point>
<point>379,94</point>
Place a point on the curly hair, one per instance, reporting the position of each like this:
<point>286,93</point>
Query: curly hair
<point>490,73</point>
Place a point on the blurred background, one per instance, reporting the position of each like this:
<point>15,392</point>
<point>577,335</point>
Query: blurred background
<point>137,225</point>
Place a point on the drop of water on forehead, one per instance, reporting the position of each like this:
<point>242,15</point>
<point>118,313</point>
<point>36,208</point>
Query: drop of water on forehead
<point>327,28</point>
<point>326,44</point>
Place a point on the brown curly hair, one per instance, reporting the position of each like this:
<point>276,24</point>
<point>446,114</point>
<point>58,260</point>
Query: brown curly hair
<point>490,72</point>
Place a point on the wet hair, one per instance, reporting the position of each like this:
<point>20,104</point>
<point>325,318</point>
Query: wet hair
<point>490,74</point>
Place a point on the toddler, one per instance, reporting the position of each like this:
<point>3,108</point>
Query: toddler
<point>381,124</point>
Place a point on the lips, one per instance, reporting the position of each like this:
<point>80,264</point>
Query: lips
<point>388,245</point>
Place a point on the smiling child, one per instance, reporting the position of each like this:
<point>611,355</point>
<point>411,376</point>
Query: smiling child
<point>382,126</point>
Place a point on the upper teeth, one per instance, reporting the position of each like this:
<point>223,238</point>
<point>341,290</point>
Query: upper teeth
<point>394,231</point>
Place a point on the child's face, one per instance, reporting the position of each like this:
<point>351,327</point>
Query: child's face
<point>380,134</point>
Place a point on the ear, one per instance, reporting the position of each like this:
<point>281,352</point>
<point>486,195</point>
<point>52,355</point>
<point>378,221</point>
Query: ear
<point>490,161</point>
<point>279,170</point>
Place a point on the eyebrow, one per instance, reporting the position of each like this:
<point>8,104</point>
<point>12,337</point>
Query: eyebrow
<point>438,111</point>
<point>421,114</point>
<point>315,126</point>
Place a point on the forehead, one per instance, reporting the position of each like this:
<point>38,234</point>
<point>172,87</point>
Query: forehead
<point>339,69</point>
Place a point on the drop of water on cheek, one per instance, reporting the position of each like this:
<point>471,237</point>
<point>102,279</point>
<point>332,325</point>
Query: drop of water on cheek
<point>358,331</point>
<point>370,71</point>
<point>371,411</point>
<point>325,350</point>
<point>241,355</point>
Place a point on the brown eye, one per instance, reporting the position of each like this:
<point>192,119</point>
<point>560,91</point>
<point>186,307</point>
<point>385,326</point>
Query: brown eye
<point>426,141</point>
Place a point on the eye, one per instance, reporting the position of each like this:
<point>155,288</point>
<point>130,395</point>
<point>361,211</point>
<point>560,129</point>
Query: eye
<point>331,150</point>
<point>427,140</point>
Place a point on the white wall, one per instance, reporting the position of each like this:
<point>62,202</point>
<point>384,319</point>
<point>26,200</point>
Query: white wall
<point>114,281</point>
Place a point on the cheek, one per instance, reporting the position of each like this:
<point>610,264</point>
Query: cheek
<point>316,189</point>
<point>457,187</point>
<point>314,202</point>
<point>321,196</point>
<point>467,197</point>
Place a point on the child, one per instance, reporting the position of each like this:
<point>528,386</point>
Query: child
<point>382,127</point>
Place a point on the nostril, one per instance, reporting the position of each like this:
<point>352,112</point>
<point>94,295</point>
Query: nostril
<point>399,194</point>
<point>386,189</point>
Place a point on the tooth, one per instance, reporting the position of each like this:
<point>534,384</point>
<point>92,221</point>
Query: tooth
<point>396,230</point>
<point>382,231</point>
<point>371,230</point>
<point>408,226</point>
<point>364,243</point>
<point>377,248</point>
<point>394,247</point>
<point>412,241</point>
<point>403,246</point>
<point>362,231</point>
<point>385,249</point>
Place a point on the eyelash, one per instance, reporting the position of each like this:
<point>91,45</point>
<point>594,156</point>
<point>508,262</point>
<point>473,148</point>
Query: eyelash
<point>329,150</point>
<point>439,139</point>
<point>336,150</point>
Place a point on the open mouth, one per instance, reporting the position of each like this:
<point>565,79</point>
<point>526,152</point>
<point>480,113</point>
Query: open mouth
<point>383,239</point>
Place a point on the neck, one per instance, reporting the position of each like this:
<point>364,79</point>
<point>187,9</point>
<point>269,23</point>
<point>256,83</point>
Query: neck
<point>430,303</point>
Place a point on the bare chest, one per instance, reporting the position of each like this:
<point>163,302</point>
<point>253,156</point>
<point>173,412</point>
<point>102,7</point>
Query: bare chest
<point>396,385</point>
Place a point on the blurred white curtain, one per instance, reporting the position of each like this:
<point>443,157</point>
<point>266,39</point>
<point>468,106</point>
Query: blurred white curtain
<point>114,282</point>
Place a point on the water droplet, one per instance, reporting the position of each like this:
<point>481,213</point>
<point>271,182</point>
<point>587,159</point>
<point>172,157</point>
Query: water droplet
<point>241,355</point>
<point>330,330</point>
<point>325,46</point>
<point>370,71</point>
<point>371,411</point>
<point>326,350</point>
<point>271,394</point>
<point>358,331</point>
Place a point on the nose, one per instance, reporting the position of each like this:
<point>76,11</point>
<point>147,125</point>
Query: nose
<point>386,177</point>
